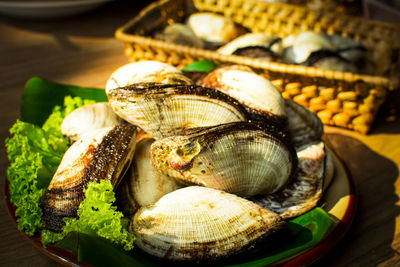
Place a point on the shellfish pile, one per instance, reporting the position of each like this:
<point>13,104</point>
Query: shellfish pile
<point>203,170</point>
<point>321,50</point>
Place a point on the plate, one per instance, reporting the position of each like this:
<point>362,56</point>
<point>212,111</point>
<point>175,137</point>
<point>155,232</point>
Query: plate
<point>339,201</point>
<point>48,9</point>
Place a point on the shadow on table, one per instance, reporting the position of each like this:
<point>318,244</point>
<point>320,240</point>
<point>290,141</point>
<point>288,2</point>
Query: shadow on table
<point>107,19</point>
<point>373,228</point>
<point>388,118</point>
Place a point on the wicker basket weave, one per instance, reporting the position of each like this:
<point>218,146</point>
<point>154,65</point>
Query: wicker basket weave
<point>339,98</point>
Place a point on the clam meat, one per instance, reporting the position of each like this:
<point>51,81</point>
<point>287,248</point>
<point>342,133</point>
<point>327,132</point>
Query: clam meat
<point>166,109</point>
<point>144,185</point>
<point>88,118</point>
<point>241,158</point>
<point>104,154</point>
<point>305,190</point>
<point>199,224</point>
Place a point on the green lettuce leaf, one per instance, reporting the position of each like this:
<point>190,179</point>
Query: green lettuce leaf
<point>96,216</point>
<point>34,153</point>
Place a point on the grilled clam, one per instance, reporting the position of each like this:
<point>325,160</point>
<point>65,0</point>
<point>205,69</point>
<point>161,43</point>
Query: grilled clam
<point>179,33</point>
<point>258,94</point>
<point>145,185</point>
<point>241,158</point>
<point>104,154</point>
<point>197,223</point>
<point>165,109</point>
<point>304,191</point>
<point>255,45</point>
<point>349,49</point>
<point>299,47</point>
<point>145,71</point>
<point>330,60</point>
<point>304,126</point>
<point>88,118</point>
<point>223,29</point>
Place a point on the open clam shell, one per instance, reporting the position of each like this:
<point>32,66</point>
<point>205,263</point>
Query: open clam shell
<point>145,71</point>
<point>197,223</point>
<point>223,29</point>
<point>178,33</point>
<point>166,109</point>
<point>144,185</point>
<point>304,126</point>
<point>104,154</point>
<point>305,190</point>
<point>330,60</point>
<point>349,49</point>
<point>255,45</point>
<point>299,47</point>
<point>258,94</point>
<point>241,158</point>
<point>88,118</point>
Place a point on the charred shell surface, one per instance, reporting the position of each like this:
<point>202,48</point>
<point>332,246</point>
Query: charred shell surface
<point>304,191</point>
<point>195,224</point>
<point>304,126</point>
<point>102,155</point>
<point>164,110</point>
<point>254,45</point>
<point>330,60</point>
<point>241,158</point>
<point>259,52</point>
<point>144,185</point>
<point>146,71</point>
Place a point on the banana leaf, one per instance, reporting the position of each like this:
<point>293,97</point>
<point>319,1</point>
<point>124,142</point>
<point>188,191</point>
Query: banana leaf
<point>41,96</point>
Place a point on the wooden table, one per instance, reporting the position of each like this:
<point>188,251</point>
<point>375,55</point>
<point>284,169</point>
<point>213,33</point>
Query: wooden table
<point>82,50</point>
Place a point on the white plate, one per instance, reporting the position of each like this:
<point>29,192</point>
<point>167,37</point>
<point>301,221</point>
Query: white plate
<point>48,9</point>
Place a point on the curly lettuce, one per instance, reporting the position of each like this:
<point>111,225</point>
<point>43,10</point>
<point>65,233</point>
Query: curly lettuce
<point>34,153</point>
<point>96,216</point>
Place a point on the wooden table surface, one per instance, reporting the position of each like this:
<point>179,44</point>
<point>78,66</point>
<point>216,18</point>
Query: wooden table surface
<point>82,50</point>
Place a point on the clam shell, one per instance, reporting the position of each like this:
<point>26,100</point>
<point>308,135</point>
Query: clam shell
<point>303,44</point>
<point>330,60</point>
<point>88,118</point>
<point>197,223</point>
<point>222,31</point>
<point>258,94</point>
<point>348,48</point>
<point>304,126</point>
<point>179,33</point>
<point>163,110</point>
<point>144,186</point>
<point>305,190</point>
<point>241,158</point>
<point>104,154</point>
<point>145,71</point>
<point>261,40</point>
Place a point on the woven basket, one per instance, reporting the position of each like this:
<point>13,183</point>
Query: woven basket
<point>339,98</point>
